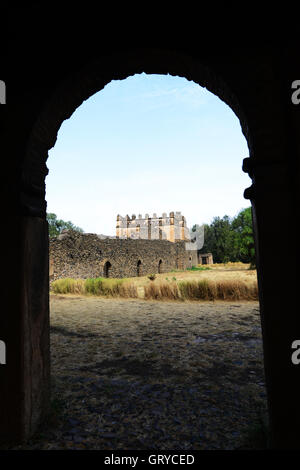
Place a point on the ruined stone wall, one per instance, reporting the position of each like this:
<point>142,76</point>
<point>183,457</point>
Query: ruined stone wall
<point>82,256</point>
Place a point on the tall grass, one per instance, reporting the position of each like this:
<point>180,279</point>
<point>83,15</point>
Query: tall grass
<point>197,290</point>
<point>95,286</point>
<point>161,291</point>
<point>68,286</point>
<point>202,290</point>
<point>218,290</point>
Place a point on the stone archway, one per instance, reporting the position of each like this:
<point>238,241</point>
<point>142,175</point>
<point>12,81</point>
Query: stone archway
<point>248,86</point>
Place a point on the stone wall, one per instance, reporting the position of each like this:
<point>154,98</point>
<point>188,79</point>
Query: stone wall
<point>82,256</point>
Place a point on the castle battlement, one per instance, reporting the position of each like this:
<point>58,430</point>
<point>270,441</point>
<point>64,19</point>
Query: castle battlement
<point>170,227</point>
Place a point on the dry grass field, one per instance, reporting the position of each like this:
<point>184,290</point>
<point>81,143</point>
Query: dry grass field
<point>232,281</point>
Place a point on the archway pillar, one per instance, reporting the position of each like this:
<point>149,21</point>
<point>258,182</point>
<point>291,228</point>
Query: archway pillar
<point>275,226</point>
<point>24,327</point>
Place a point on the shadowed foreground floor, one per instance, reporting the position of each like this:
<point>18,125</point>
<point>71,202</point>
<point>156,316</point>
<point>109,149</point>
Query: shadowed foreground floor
<point>132,374</point>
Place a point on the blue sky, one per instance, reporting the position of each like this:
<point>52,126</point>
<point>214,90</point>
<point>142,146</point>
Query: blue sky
<point>147,144</point>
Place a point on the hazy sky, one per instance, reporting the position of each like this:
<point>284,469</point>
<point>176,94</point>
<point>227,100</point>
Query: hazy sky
<point>150,143</point>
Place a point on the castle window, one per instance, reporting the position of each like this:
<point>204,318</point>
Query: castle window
<point>106,269</point>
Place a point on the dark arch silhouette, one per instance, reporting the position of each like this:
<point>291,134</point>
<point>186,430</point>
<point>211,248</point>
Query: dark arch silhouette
<point>72,90</point>
<point>106,269</point>
<point>249,82</point>
<point>139,268</point>
<point>159,266</point>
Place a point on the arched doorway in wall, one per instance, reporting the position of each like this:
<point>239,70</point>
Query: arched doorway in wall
<point>139,268</point>
<point>159,269</point>
<point>78,99</point>
<point>106,269</point>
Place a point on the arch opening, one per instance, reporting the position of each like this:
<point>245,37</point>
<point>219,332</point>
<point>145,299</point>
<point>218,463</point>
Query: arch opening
<point>139,268</point>
<point>71,93</point>
<point>159,269</point>
<point>65,110</point>
<point>106,269</point>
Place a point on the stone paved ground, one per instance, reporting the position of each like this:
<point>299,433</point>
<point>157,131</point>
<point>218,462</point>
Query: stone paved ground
<point>133,374</point>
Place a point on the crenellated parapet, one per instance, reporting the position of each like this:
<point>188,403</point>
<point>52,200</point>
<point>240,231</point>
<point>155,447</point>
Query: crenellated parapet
<point>170,227</point>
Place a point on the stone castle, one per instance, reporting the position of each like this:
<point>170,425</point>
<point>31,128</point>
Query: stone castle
<point>170,227</point>
<point>141,246</point>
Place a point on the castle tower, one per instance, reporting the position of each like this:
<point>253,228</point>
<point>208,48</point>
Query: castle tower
<point>172,227</point>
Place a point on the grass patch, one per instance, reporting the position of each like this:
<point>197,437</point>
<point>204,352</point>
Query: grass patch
<point>198,268</point>
<point>201,290</point>
<point>68,286</point>
<point>161,291</point>
<point>230,265</point>
<point>218,290</point>
<point>197,290</point>
<point>95,286</point>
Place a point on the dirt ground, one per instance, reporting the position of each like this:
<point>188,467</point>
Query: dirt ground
<point>135,374</point>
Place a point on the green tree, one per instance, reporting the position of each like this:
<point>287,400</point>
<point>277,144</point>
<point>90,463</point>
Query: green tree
<point>242,226</point>
<point>57,225</point>
<point>230,239</point>
<point>220,240</point>
<point>209,240</point>
<point>225,243</point>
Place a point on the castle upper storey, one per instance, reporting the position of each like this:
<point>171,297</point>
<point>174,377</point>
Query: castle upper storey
<point>170,227</point>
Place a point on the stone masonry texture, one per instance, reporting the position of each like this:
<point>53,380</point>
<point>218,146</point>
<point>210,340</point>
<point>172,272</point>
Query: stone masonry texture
<point>82,256</point>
